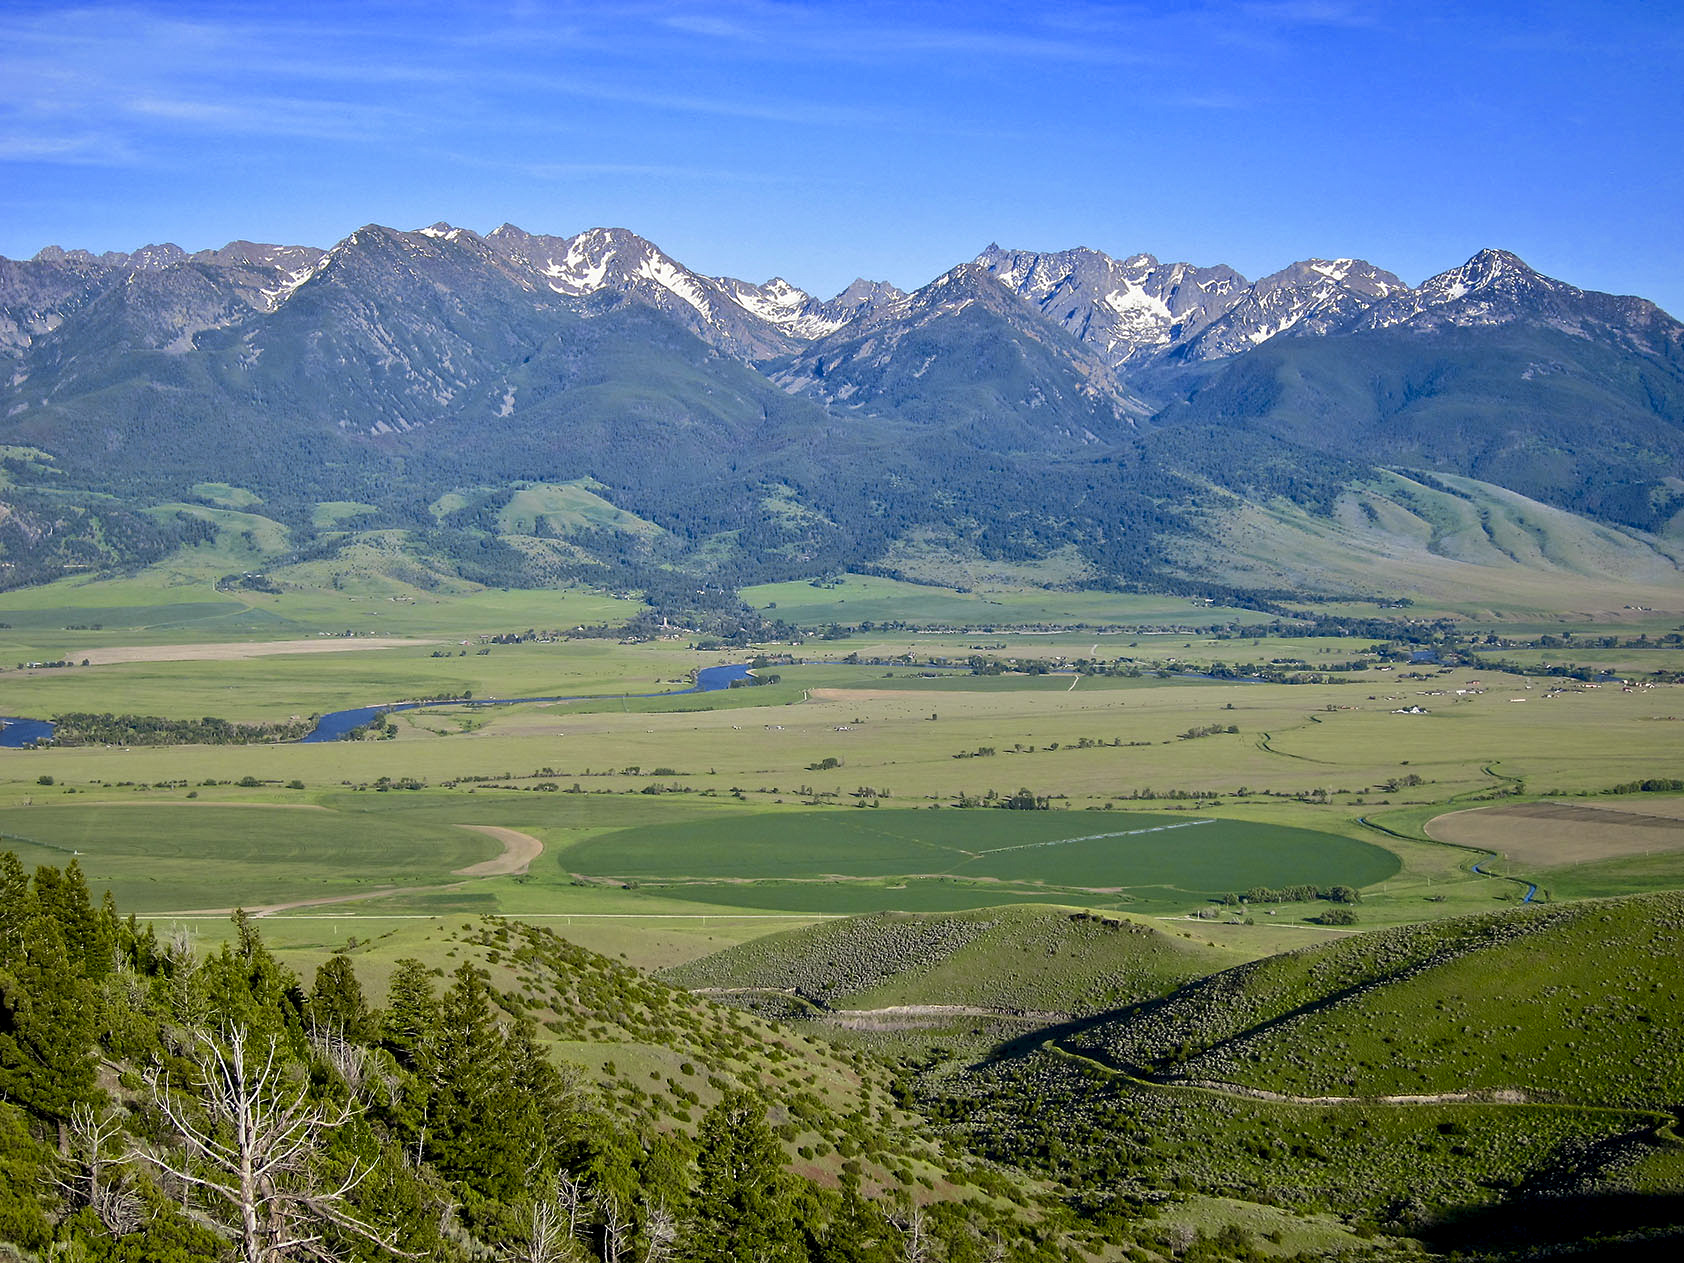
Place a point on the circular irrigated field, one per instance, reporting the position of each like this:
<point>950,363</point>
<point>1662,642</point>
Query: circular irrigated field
<point>921,860</point>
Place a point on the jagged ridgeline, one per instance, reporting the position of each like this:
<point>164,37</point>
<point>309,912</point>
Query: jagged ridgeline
<point>1117,415</point>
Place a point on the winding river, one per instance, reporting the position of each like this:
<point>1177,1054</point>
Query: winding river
<point>17,733</point>
<point>333,726</point>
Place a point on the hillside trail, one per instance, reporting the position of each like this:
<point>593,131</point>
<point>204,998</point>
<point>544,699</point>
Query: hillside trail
<point>1663,1125</point>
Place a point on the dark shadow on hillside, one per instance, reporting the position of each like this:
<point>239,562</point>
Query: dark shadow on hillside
<point>1031,1041</point>
<point>1626,1227</point>
<point>1330,999</point>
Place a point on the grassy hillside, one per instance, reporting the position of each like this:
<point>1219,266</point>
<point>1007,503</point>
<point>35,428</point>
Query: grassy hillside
<point>659,1056</point>
<point>1503,1083</point>
<point>1470,545</point>
<point>1574,1003</point>
<point>1011,958</point>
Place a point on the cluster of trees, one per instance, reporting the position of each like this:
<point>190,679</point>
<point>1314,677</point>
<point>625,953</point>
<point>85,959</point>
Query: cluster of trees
<point>1649,785</point>
<point>44,537</point>
<point>1025,799</point>
<point>1294,894</point>
<point>83,728</point>
<point>1209,730</point>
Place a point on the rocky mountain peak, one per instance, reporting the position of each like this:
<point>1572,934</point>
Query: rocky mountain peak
<point>1127,309</point>
<point>1313,296</point>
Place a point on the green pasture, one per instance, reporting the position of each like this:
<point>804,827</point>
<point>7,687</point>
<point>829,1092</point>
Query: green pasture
<point>239,534</point>
<point>226,495</point>
<point>1626,875</point>
<point>1343,742</point>
<point>910,894</point>
<point>311,683</point>
<point>952,859</point>
<point>566,507</point>
<point>1007,682</point>
<point>1310,758</point>
<point>1184,649</point>
<point>157,857</point>
<point>179,604</point>
<point>333,512</point>
<point>1625,661</point>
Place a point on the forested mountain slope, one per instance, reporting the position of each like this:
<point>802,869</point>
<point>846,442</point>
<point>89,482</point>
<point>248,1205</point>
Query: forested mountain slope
<point>1021,406</point>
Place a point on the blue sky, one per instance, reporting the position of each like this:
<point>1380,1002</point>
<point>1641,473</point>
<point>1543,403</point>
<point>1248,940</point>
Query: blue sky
<point>821,141</point>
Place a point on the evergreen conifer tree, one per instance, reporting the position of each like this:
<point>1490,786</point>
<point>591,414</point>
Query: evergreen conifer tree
<point>741,1211</point>
<point>46,1025</point>
<point>411,1011</point>
<point>336,1000</point>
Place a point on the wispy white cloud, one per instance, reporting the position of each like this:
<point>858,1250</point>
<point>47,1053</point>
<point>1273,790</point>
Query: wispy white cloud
<point>1311,13</point>
<point>900,32</point>
<point>573,170</point>
<point>73,150</point>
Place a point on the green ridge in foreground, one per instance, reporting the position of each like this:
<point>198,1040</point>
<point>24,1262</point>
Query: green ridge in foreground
<point>1580,1003</point>
<point>1023,958</point>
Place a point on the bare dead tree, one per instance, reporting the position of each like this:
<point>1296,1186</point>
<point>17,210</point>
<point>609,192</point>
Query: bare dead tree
<point>660,1231</point>
<point>915,1246</point>
<point>573,1198</point>
<point>616,1228</point>
<point>249,1138</point>
<point>347,1060</point>
<point>95,1178</point>
<point>558,1222</point>
<point>546,1242</point>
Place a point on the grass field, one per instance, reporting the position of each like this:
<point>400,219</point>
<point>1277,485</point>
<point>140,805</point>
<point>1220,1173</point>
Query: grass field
<point>304,683</point>
<point>169,856</point>
<point>1093,748</point>
<point>990,856</point>
<point>565,507</point>
<point>177,601</point>
<point>1305,761</point>
<point>1573,1003</point>
<point>1485,553</point>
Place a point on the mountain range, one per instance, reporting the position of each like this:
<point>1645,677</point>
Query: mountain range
<point>1112,416</point>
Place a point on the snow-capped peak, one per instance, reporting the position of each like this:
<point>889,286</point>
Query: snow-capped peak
<point>777,301</point>
<point>442,231</point>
